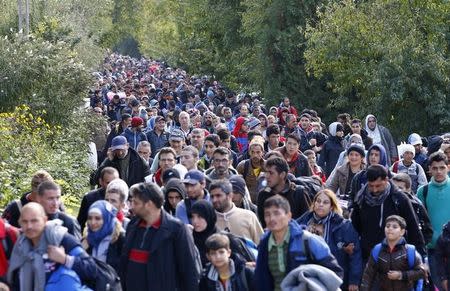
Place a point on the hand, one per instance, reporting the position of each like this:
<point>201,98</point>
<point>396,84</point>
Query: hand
<point>251,264</point>
<point>349,248</point>
<point>110,154</point>
<point>394,275</point>
<point>56,254</point>
<point>3,287</point>
<point>313,141</point>
<point>445,285</point>
<point>352,287</point>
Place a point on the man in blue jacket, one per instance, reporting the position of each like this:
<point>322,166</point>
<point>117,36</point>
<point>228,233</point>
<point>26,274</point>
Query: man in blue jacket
<point>286,246</point>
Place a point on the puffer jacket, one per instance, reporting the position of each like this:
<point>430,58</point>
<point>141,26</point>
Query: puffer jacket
<point>395,260</point>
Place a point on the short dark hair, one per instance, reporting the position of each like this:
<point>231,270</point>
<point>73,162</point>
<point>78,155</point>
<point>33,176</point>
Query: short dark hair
<point>167,150</point>
<point>223,134</point>
<point>108,171</point>
<point>437,157</point>
<point>217,241</point>
<point>403,177</point>
<point>223,185</point>
<point>47,185</point>
<point>148,192</point>
<point>356,120</point>
<point>294,136</point>
<point>376,171</point>
<point>252,133</point>
<point>400,220</point>
<point>223,151</point>
<point>278,201</point>
<point>272,129</point>
<point>280,164</point>
<point>214,138</point>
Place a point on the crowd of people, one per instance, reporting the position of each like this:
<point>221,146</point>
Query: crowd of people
<point>195,187</point>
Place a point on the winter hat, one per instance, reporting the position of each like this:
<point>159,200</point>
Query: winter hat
<point>205,210</point>
<point>356,148</point>
<point>238,184</point>
<point>136,121</point>
<point>414,139</point>
<point>253,122</point>
<point>406,148</point>
<point>170,174</point>
<point>108,213</point>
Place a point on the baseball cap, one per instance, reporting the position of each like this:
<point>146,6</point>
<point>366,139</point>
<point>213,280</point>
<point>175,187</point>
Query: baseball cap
<point>119,143</point>
<point>158,118</point>
<point>414,139</point>
<point>194,177</point>
<point>176,135</point>
<point>169,174</point>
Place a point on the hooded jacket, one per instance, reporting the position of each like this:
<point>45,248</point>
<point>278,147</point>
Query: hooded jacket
<point>385,139</point>
<point>341,234</point>
<point>392,260</point>
<point>241,138</point>
<point>331,150</point>
<point>174,185</point>
<point>295,256</point>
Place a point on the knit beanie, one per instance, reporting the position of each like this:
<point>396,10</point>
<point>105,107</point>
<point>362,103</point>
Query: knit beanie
<point>356,148</point>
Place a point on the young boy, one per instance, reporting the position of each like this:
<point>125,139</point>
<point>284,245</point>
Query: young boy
<point>224,272</point>
<point>390,261</point>
<point>316,169</point>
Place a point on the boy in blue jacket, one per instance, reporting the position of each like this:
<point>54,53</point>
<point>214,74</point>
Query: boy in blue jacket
<point>286,246</point>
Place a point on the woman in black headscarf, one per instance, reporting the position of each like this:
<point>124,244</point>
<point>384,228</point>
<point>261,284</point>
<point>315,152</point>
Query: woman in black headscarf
<point>203,218</point>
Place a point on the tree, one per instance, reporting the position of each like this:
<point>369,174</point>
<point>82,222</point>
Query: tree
<point>388,58</point>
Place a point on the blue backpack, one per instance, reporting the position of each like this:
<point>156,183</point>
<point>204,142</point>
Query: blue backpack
<point>410,254</point>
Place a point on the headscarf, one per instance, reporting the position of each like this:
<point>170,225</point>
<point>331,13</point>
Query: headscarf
<point>108,213</point>
<point>205,210</point>
<point>375,133</point>
<point>237,128</point>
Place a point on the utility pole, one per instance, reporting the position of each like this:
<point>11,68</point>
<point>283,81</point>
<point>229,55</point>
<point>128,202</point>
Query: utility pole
<point>27,17</point>
<point>20,12</point>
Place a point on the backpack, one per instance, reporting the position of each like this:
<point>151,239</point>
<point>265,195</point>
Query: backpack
<point>425,194</point>
<point>310,185</point>
<point>106,279</point>
<point>411,256</point>
<point>242,247</point>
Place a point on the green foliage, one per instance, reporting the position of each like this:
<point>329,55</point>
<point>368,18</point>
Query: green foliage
<point>29,143</point>
<point>389,58</point>
<point>44,75</point>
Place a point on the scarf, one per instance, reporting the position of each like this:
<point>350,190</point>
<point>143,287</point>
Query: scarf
<point>374,200</point>
<point>375,133</point>
<point>29,260</point>
<point>108,213</point>
<point>324,221</point>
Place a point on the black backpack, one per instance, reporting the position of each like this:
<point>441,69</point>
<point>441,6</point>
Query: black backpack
<point>106,279</point>
<point>310,185</point>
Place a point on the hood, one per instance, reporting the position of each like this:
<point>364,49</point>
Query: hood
<point>237,128</point>
<point>383,156</point>
<point>355,139</point>
<point>335,127</point>
<point>177,185</point>
<point>54,232</point>
<point>434,144</point>
<point>366,127</point>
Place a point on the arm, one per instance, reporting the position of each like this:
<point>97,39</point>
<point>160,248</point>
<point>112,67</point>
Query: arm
<point>417,272</point>
<point>355,259</point>
<point>422,178</point>
<point>441,259</point>
<point>415,236</point>
<point>186,260</point>
<point>256,229</point>
<point>322,255</point>
<point>181,213</point>
<point>82,213</point>
<point>333,182</point>
<point>368,275</point>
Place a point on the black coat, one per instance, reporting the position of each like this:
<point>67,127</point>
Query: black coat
<point>86,202</point>
<point>173,256</point>
<point>138,168</point>
<point>366,220</point>
<point>443,253</point>
<point>298,200</point>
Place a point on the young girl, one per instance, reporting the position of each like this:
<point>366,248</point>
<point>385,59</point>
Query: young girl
<point>390,263</point>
